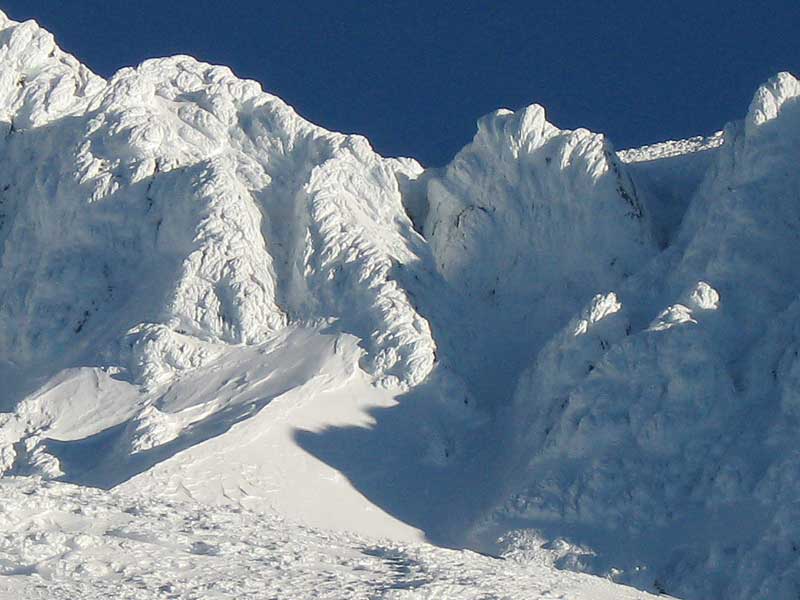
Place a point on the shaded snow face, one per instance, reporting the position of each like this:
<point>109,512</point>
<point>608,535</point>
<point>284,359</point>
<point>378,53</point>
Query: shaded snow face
<point>665,426</point>
<point>536,218</point>
<point>527,224</point>
<point>529,211</point>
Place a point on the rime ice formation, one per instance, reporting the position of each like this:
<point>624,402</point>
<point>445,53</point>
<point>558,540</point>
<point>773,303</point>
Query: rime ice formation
<point>573,213</point>
<point>665,426</point>
<point>523,179</point>
<point>546,349</point>
<point>177,200</point>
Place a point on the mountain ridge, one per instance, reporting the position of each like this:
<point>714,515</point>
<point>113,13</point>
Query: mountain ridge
<point>554,347</point>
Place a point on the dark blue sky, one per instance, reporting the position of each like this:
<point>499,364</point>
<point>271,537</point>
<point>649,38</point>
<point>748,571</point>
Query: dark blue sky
<point>414,76</point>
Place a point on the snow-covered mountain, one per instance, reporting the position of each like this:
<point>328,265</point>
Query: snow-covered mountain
<point>547,349</point>
<point>661,419</point>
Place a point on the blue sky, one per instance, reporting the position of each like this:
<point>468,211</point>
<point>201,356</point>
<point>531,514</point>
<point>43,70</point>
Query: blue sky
<point>414,76</point>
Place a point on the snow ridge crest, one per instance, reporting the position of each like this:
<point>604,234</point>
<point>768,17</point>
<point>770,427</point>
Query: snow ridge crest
<point>206,208</point>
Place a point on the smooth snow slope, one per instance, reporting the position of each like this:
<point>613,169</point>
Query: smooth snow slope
<point>546,349</point>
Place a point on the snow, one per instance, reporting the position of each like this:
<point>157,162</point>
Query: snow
<point>243,356</point>
<point>577,225</point>
<point>278,219</point>
<point>665,431</point>
<point>62,541</point>
<point>667,175</point>
<point>671,149</point>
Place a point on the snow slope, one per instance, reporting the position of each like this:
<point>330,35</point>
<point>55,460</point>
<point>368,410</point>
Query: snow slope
<point>548,350</point>
<point>576,223</point>
<point>61,541</point>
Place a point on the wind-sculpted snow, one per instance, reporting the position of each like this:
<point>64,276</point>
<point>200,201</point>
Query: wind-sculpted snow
<point>546,349</point>
<point>672,413</point>
<point>563,198</point>
<point>671,149</point>
<point>39,83</point>
<point>194,204</point>
<point>528,223</point>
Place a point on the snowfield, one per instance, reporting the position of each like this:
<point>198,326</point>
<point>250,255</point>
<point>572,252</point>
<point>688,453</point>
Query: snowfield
<point>245,357</point>
<point>60,541</point>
